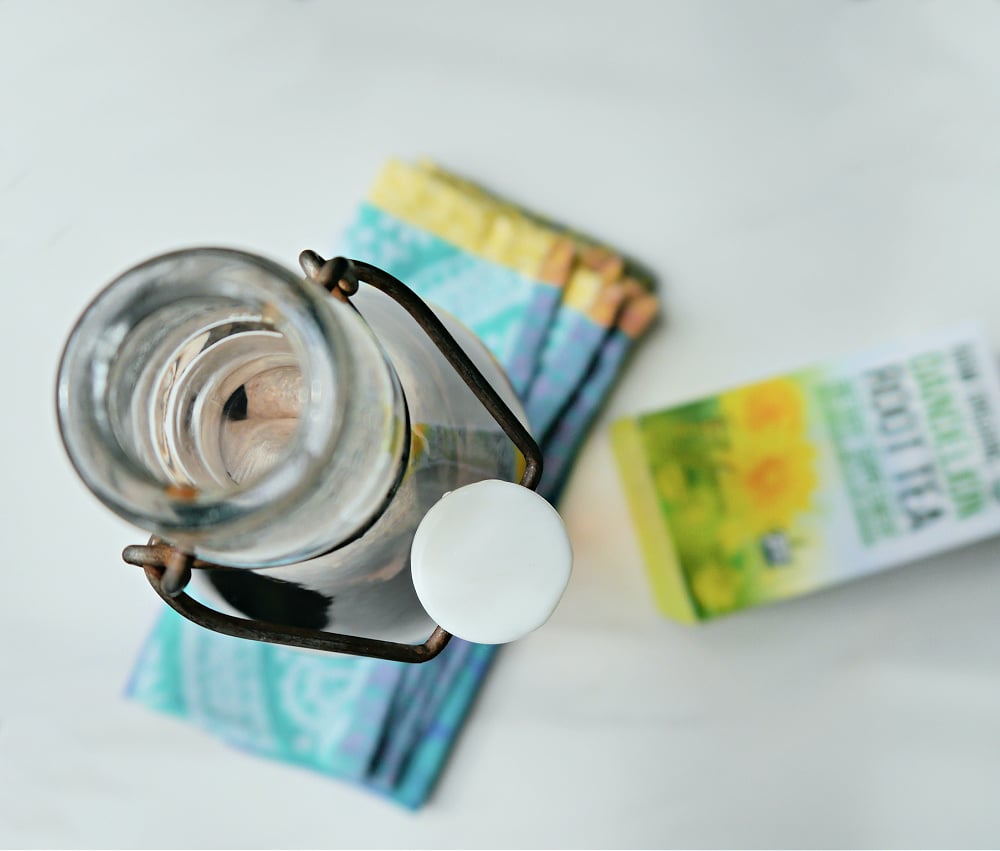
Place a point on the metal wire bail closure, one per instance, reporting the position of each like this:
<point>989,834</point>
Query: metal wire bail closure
<point>169,570</point>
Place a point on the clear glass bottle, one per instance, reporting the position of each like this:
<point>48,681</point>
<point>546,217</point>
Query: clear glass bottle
<point>246,416</point>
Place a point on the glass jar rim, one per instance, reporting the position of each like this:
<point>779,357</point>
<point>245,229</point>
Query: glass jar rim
<point>297,309</point>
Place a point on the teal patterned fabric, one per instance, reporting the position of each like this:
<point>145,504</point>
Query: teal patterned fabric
<point>508,312</point>
<point>563,440</point>
<point>384,725</point>
<point>572,344</point>
<point>323,712</point>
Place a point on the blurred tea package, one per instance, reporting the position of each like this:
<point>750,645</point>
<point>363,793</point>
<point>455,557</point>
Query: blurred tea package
<point>782,487</point>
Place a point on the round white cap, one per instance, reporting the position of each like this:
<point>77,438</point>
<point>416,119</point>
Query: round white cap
<point>490,561</point>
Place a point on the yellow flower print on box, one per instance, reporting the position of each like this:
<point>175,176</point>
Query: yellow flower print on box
<point>768,408</point>
<point>716,588</point>
<point>768,473</point>
<point>769,484</point>
<point>733,474</point>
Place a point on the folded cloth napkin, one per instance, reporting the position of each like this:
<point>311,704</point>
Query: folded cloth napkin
<point>386,725</point>
<point>488,263</point>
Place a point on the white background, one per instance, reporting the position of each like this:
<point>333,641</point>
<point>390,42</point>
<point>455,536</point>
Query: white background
<point>808,178</point>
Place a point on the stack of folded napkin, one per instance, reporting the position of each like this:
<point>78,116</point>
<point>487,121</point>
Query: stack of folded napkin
<point>560,312</point>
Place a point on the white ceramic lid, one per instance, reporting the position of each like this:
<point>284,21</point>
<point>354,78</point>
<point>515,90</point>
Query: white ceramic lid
<point>490,561</point>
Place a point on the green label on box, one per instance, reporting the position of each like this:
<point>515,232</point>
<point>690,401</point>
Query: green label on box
<point>787,485</point>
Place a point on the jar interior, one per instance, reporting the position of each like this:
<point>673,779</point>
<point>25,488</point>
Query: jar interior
<point>206,395</point>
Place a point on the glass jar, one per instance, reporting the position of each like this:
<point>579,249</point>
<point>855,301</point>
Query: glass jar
<point>292,440</point>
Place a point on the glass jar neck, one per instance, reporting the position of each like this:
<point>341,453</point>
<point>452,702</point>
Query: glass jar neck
<point>216,399</point>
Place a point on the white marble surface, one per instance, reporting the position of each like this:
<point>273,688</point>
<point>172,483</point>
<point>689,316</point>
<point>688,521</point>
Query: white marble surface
<point>807,177</point>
